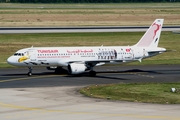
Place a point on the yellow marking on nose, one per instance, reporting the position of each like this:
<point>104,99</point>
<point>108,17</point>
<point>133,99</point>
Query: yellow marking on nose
<point>21,59</point>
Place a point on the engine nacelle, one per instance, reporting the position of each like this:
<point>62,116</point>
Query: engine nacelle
<point>76,68</point>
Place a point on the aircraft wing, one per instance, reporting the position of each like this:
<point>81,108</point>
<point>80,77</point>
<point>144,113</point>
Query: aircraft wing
<point>95,62</point>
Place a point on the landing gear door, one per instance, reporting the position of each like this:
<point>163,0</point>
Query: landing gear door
<point>32,55</point>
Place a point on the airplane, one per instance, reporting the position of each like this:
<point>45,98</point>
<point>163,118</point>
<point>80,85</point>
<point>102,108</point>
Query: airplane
<point>81,59</point>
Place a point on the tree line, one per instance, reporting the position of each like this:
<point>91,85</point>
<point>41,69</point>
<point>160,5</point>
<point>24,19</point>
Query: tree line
<point>89,1</point>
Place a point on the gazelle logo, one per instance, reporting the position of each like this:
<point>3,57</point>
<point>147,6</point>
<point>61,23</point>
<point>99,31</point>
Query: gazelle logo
<point>155,31</point>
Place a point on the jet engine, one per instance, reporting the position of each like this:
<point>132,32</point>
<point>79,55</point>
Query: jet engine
<point>76,68</point>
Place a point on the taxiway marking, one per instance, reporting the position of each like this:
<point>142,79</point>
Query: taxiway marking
<point>80,112</point>
<point>138,73</point>
<point>27,78</point>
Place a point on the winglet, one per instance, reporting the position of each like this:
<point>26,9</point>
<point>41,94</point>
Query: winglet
<point>152,35</point>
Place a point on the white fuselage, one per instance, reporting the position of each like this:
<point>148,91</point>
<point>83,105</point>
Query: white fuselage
<point>81,59</point>
<point>62,56</point>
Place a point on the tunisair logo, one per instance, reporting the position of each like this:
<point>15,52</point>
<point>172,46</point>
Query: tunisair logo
<point>151,35</point>
<point>48,51</point>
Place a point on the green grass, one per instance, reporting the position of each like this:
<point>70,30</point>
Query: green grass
<point>122,14</point>
<point>10,43</point>
<point>134,92</point>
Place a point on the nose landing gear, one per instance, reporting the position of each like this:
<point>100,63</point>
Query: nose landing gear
<point>30,71</point>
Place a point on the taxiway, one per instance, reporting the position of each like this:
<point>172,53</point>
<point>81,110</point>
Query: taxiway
<point>47,95</point>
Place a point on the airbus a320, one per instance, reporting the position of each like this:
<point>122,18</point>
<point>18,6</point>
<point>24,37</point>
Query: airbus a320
<point>81,59</point>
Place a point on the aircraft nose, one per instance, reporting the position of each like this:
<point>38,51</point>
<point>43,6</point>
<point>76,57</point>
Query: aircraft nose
<point>10,61</point>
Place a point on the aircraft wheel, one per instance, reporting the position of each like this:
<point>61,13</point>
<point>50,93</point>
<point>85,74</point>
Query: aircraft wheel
<point>60,70</point>
<point>92,73</point>
<point>29,74</point>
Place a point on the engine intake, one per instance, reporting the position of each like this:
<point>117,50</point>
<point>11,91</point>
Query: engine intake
<point>76,68</point>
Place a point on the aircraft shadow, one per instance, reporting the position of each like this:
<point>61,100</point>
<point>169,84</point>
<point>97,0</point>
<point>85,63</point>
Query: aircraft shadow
<point>65,72</point>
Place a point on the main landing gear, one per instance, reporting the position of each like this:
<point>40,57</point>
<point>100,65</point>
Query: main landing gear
<point>30,71</point>
<point>92,73</point>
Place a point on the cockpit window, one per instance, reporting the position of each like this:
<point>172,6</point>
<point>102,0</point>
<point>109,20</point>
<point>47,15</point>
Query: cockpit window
<point>18,54</point>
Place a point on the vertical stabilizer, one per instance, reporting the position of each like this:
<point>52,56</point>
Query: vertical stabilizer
<point>152,35</point>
